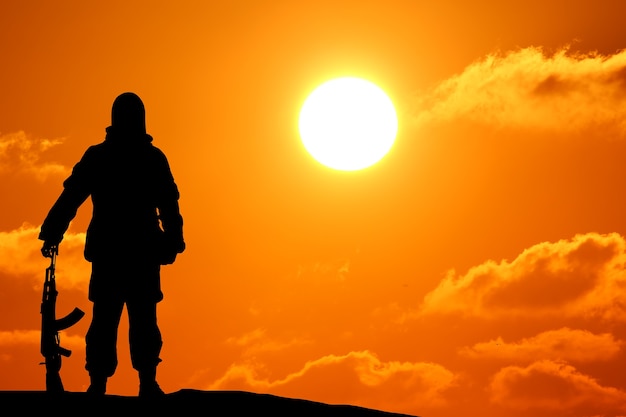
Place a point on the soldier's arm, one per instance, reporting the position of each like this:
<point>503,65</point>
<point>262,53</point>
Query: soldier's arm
<point>75,192</point>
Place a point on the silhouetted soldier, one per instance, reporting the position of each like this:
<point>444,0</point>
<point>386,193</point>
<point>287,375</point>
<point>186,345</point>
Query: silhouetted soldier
<point>135,228</point>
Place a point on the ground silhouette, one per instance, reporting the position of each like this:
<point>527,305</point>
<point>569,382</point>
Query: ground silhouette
<point>179,403</point>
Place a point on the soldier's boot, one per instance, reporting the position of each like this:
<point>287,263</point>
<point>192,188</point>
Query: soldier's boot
<point>148,386</point>
<point>98,384</point>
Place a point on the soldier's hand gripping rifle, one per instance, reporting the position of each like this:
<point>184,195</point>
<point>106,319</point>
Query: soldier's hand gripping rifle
<point>50,327</point>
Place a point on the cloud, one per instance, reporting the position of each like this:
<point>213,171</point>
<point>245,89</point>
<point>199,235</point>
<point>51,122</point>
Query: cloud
<point>530,88</point>
<point>334,270</point>
<point>257,341</point>
<point>562,344</point>
<point>13,343</point>
<point>554,386</point>
<point>20,338</point>
<point>21,154</point>
<point>20,255</point>
<point>578,277</point>
<point>359,378</point>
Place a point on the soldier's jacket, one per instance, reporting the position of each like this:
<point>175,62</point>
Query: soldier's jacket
<point>132,191</point>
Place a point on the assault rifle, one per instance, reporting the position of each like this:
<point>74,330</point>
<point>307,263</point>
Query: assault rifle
<point>50,327</point>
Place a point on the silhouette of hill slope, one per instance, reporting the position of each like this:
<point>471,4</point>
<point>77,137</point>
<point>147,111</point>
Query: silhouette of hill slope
<point>180,403</point>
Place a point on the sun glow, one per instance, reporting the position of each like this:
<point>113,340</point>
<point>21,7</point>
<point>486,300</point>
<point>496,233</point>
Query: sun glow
<point>348,124</point>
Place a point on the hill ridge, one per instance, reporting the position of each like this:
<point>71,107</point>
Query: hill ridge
<point>191,401</point>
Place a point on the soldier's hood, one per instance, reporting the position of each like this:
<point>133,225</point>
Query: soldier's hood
<point>128,113</point>
<point>128,121</point>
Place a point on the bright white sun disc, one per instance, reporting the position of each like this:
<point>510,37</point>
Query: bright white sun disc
<point>348,124</point>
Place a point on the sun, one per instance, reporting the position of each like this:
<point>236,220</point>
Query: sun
<point>348,124</point>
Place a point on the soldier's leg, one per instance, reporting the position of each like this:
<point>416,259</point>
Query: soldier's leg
<point>101,343</point>
<point>145,344</point>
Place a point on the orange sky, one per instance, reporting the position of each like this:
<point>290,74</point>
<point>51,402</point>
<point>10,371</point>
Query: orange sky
<point>477,270</point>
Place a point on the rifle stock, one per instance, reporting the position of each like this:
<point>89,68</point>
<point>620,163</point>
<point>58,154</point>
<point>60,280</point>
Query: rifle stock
<point>51,348</point>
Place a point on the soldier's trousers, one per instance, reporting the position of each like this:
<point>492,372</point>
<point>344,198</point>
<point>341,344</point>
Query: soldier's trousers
<point>144,336</point>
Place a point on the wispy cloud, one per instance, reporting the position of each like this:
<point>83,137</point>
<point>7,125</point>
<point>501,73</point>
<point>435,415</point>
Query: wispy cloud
<point>33,337</point>
<point>358,377</point>
<point>531,88</point>
<point>21,154</point>
<point>562,344</point>
<point>258,341</point>
<point>337,269</point>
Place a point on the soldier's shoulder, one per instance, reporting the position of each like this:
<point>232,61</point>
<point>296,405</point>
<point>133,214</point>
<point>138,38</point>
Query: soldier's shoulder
<point>156,151</point>
<point>98,147</point>
<point>94,150</point>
